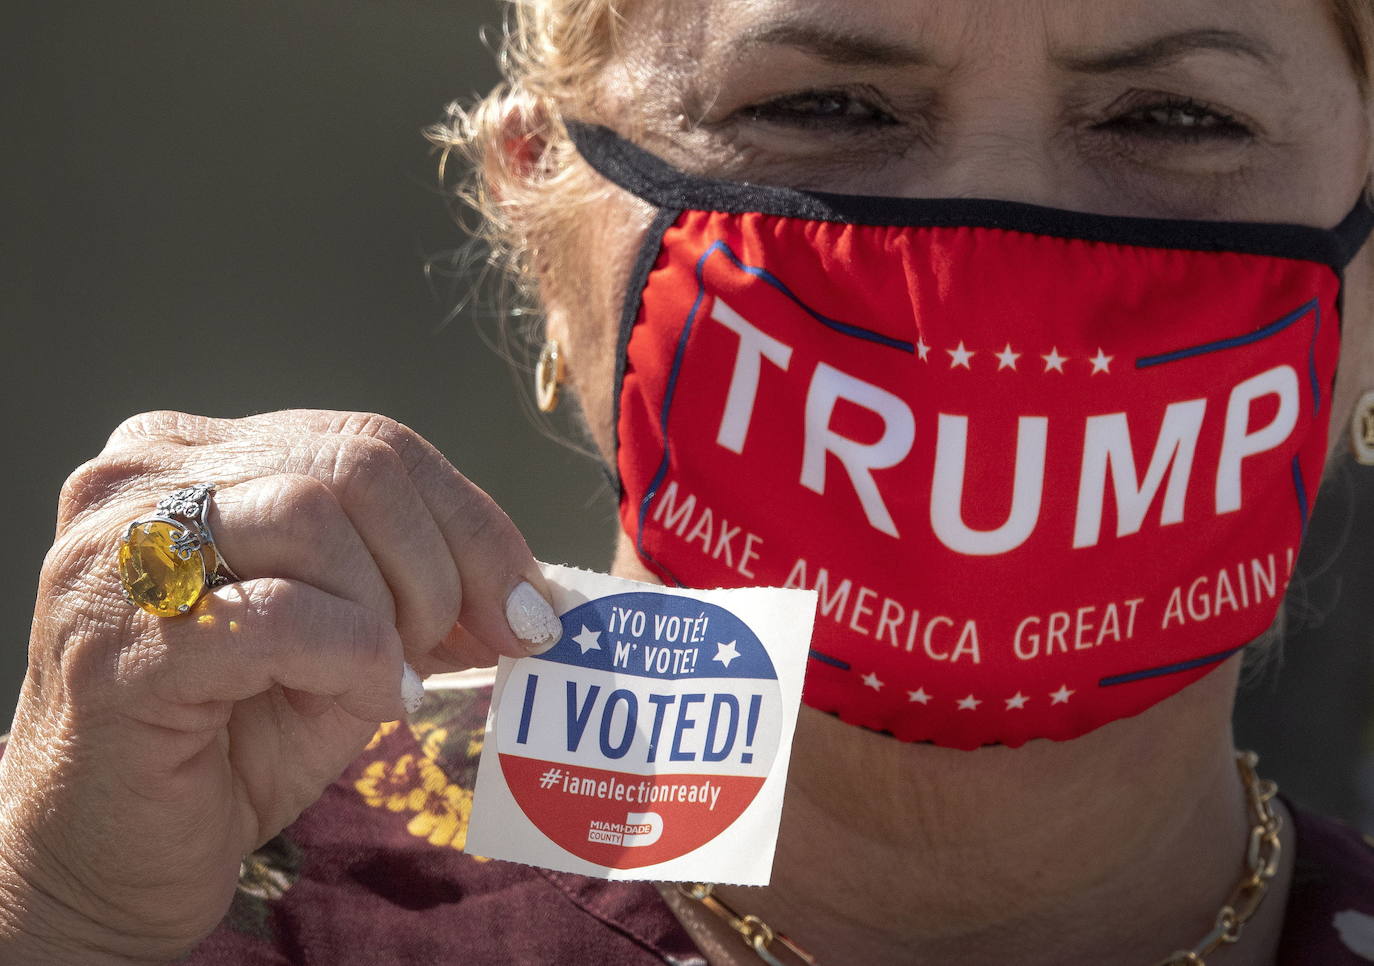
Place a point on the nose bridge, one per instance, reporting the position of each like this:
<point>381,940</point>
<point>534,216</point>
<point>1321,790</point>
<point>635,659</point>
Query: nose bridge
<point>995,129</point>
<point>999,119</point>
<point>998,144</point>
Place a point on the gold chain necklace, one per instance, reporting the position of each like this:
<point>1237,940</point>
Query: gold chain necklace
<point>1261,864</point>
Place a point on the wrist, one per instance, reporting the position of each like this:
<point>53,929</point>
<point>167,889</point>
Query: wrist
<point>37,928</point>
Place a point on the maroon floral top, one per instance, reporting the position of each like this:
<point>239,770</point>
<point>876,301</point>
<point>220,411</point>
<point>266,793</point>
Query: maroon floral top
<point>374,873</point>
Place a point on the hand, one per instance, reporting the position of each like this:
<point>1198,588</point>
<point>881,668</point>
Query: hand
<point>148,754</point>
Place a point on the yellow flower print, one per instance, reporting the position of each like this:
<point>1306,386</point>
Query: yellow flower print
<point>431,741</point>
<point>475,742</point>
<point>417,784</point>
<point>394,786</point>
<point>442,819</point>
<point>386,728</point>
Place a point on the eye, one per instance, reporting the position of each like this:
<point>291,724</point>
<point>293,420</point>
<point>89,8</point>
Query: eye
<point>1176,119</point>
<point>821,109</point>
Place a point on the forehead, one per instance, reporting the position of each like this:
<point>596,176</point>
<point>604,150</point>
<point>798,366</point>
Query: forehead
<point>954,34</point>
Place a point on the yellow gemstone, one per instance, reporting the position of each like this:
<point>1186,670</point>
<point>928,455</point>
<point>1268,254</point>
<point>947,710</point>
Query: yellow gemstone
<point>154,575</point>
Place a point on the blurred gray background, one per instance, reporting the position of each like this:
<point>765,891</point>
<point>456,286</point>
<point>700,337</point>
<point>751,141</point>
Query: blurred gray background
<point>247,181</point>
<point>225,209</point>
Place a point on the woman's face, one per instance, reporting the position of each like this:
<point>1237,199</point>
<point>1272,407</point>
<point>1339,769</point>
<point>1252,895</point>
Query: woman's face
<point>1212,109</point>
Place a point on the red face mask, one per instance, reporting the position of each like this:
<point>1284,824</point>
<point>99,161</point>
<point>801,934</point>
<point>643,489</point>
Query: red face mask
<point>1044,468</point>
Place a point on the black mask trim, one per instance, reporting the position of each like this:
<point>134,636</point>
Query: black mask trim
<point>659,183</point>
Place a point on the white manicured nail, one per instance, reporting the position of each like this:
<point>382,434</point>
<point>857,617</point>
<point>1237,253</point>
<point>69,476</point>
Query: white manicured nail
<point>412,689</point>
<point>532,619</point>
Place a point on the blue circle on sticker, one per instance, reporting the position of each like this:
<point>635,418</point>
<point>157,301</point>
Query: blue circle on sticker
<point>663,636</point>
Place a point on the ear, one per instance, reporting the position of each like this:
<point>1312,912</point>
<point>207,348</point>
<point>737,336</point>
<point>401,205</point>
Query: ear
<point>556,327</point>
<point>517,138</point>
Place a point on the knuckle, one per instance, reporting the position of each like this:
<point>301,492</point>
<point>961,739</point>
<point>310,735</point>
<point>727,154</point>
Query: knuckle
<point>80,562</point>
<point>480,520</point>
<point>482,523</point>
<point>163,425</point>
<point>268,598</point>
<point>380,427</point>
<point>80,618</point>
<point>364,640</point>
<point>362,464</point>
<point>305,622</point>
<point>92,484</point>
<point>409,446</point>
<point>95,484</point>
<point>72,553</point>
<point>308,502</point>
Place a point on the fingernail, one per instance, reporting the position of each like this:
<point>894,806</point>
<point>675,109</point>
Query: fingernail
<point>412,690</point>
<point>532,619</point>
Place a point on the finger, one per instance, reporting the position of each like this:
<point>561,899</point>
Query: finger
<point>247,637</point>
<point>378,496</point>
<point>307,705</point>
<point>370,485</point>
<point>364,475</point>
<point>458,651</point>
<point>504,600</point>
<point>502,596</point>
<point>292,526</point>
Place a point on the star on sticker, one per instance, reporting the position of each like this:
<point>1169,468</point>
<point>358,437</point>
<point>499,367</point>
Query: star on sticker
<point>1101,362</point>
<point>960,356</point>
<point>1017,701</point>
<point>588,640</point>
<point>919,696</point>
<point>969,704</point>
<point>871,681</point>
<point>1006,359</point>
<point>725,653</point>
<point>1054,360</point>
<point>922,349</point>
<point>1062,695</point>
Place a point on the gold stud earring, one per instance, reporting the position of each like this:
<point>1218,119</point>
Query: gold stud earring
<point>548,375</point>
<point>1362,430</point>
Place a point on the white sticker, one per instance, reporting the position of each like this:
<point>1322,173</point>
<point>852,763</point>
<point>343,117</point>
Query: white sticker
<point>652,741</point>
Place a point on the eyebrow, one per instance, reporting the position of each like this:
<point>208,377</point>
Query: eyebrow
<point>841,47</point>
<point>1163,50</point>
<point>848,48</point>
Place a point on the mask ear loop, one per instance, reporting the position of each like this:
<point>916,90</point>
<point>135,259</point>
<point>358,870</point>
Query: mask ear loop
<point>1354,230</point>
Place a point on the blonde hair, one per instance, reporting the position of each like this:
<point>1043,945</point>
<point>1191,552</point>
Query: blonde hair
<point>521,200</point>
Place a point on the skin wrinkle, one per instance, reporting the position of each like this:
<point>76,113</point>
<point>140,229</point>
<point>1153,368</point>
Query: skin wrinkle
<point>1118,846</point>
<point>1164,50</point>
<point>841,47</point>
<point>1261,86</point>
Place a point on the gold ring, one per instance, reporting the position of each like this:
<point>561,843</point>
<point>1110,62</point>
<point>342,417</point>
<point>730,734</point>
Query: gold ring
<point>169,559</point>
